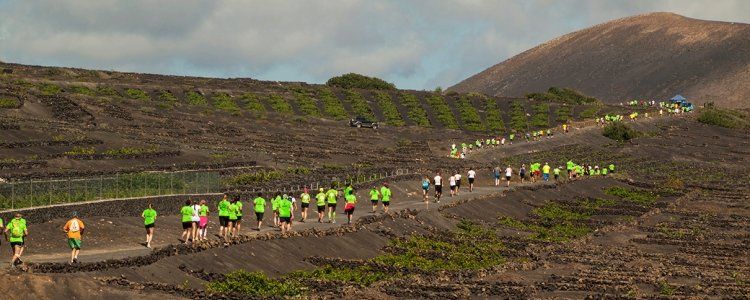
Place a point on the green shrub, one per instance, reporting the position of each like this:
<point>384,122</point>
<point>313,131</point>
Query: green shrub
<point>642,197</point>
<point>80,151</point>
<point>130,151</point>
<point>389,109</point>
<point>361,275</point>
<point>252,178</point>
<point>563,95</point>
<point>332,106</point>
<point>725,118</point>
<point>9,102</point>
<point>167,97</point>
<point>106,91</point>
<point>493,116</point>
<point>551,223</point>
<point>307,105</point>
<point>252,103</point>
<point>469,115</point>
<point>563,114</point>
<point>137,94</point>
<point>443,112</point>
<point>471,247</point>
<point>619,132</point>
<point>518,119</point>
<point>279,104</point>
<point>352,80</point>
<point>253,284</point>
<point>49,89</point>
<point>541,115</point>
<point>196,98</point>
<point>589,113</point>
<point>82,90</point>
<point>224,102</point>
<point>358,104</point>
<point>416,112</point>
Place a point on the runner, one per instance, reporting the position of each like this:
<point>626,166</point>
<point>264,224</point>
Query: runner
<point>511,137</point>
<point>74,229</point>
<point>522,173</point>
<point>305,200</point>
<point>458,182</point>
<point>496,173</point>
<point>611,168</point>
<point>187,221</point>
<point>196,219</point>
<point>569,166</point>
<point>351,200</point>
<point>294,209</point>
<point>374,198</point>
<point>237,223</point>
<point>331,196</point>
<point>260,208</point>
<point>385,194</point>
<point>149,221</point>
<point>452,184</point>
<point>545,171</point>
<point>275,208</point>
<point>425,191</point>
<point>321,203</point>
<point>438,187</point>
<point>508,174</point>
<point>471,174</point>
<point>285,214</point>
<point>232,209</point>
<point>223,208</point>
<point>203,223</point>
<point>556,171</point>
<point>18,232</point>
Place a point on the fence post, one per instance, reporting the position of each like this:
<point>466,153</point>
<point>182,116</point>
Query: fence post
<point>145,184</point>
<point>12,195</point>
<point>117,185</point>
<point>70,192</point>
<point>171,183</point>
<point>31,186</point>
<point>101,186</point>
<point>49,189</point>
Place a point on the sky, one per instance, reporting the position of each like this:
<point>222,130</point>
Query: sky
<point>414,44</point>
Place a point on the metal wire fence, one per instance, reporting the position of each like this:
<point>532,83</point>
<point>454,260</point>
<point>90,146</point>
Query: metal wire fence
<point>34,193</point>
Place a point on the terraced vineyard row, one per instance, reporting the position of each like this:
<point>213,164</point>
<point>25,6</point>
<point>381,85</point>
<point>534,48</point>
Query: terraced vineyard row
<point>426,109</point>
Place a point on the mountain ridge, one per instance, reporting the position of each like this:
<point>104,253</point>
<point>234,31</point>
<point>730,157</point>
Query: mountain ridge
<point>652,56</point>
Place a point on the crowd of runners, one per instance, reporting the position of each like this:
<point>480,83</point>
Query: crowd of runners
<point>535,172</point>
<point>194,216</point>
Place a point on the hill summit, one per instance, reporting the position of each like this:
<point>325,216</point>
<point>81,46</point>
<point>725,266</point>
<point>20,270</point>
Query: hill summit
<point>651,56</point>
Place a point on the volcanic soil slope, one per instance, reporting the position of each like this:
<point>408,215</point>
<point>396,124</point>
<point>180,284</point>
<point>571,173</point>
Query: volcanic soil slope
<point>652,56</point>
<point>670,222</point>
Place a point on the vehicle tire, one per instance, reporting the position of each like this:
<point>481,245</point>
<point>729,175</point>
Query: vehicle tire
<point>359,125</point>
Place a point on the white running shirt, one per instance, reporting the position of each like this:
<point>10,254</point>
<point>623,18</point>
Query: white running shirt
<point>438,180</point>
<point>452,180</point>
<point>196,213</point>
<point>458,177</point>
<point>472,174</point>
<point>508,172</point>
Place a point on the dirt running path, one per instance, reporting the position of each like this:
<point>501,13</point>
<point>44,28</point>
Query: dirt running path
<point>117,238</point>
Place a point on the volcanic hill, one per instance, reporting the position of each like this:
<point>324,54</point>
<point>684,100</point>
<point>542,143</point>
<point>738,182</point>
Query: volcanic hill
<point>650,56</point>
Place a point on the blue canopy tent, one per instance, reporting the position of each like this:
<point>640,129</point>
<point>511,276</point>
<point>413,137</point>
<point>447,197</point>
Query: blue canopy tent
<point>678,99</point>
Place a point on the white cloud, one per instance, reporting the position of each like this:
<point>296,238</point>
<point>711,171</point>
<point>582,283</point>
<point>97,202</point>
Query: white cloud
<point>417,44</point>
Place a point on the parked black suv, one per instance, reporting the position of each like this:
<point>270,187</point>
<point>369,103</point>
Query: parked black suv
<point>363,122</point>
